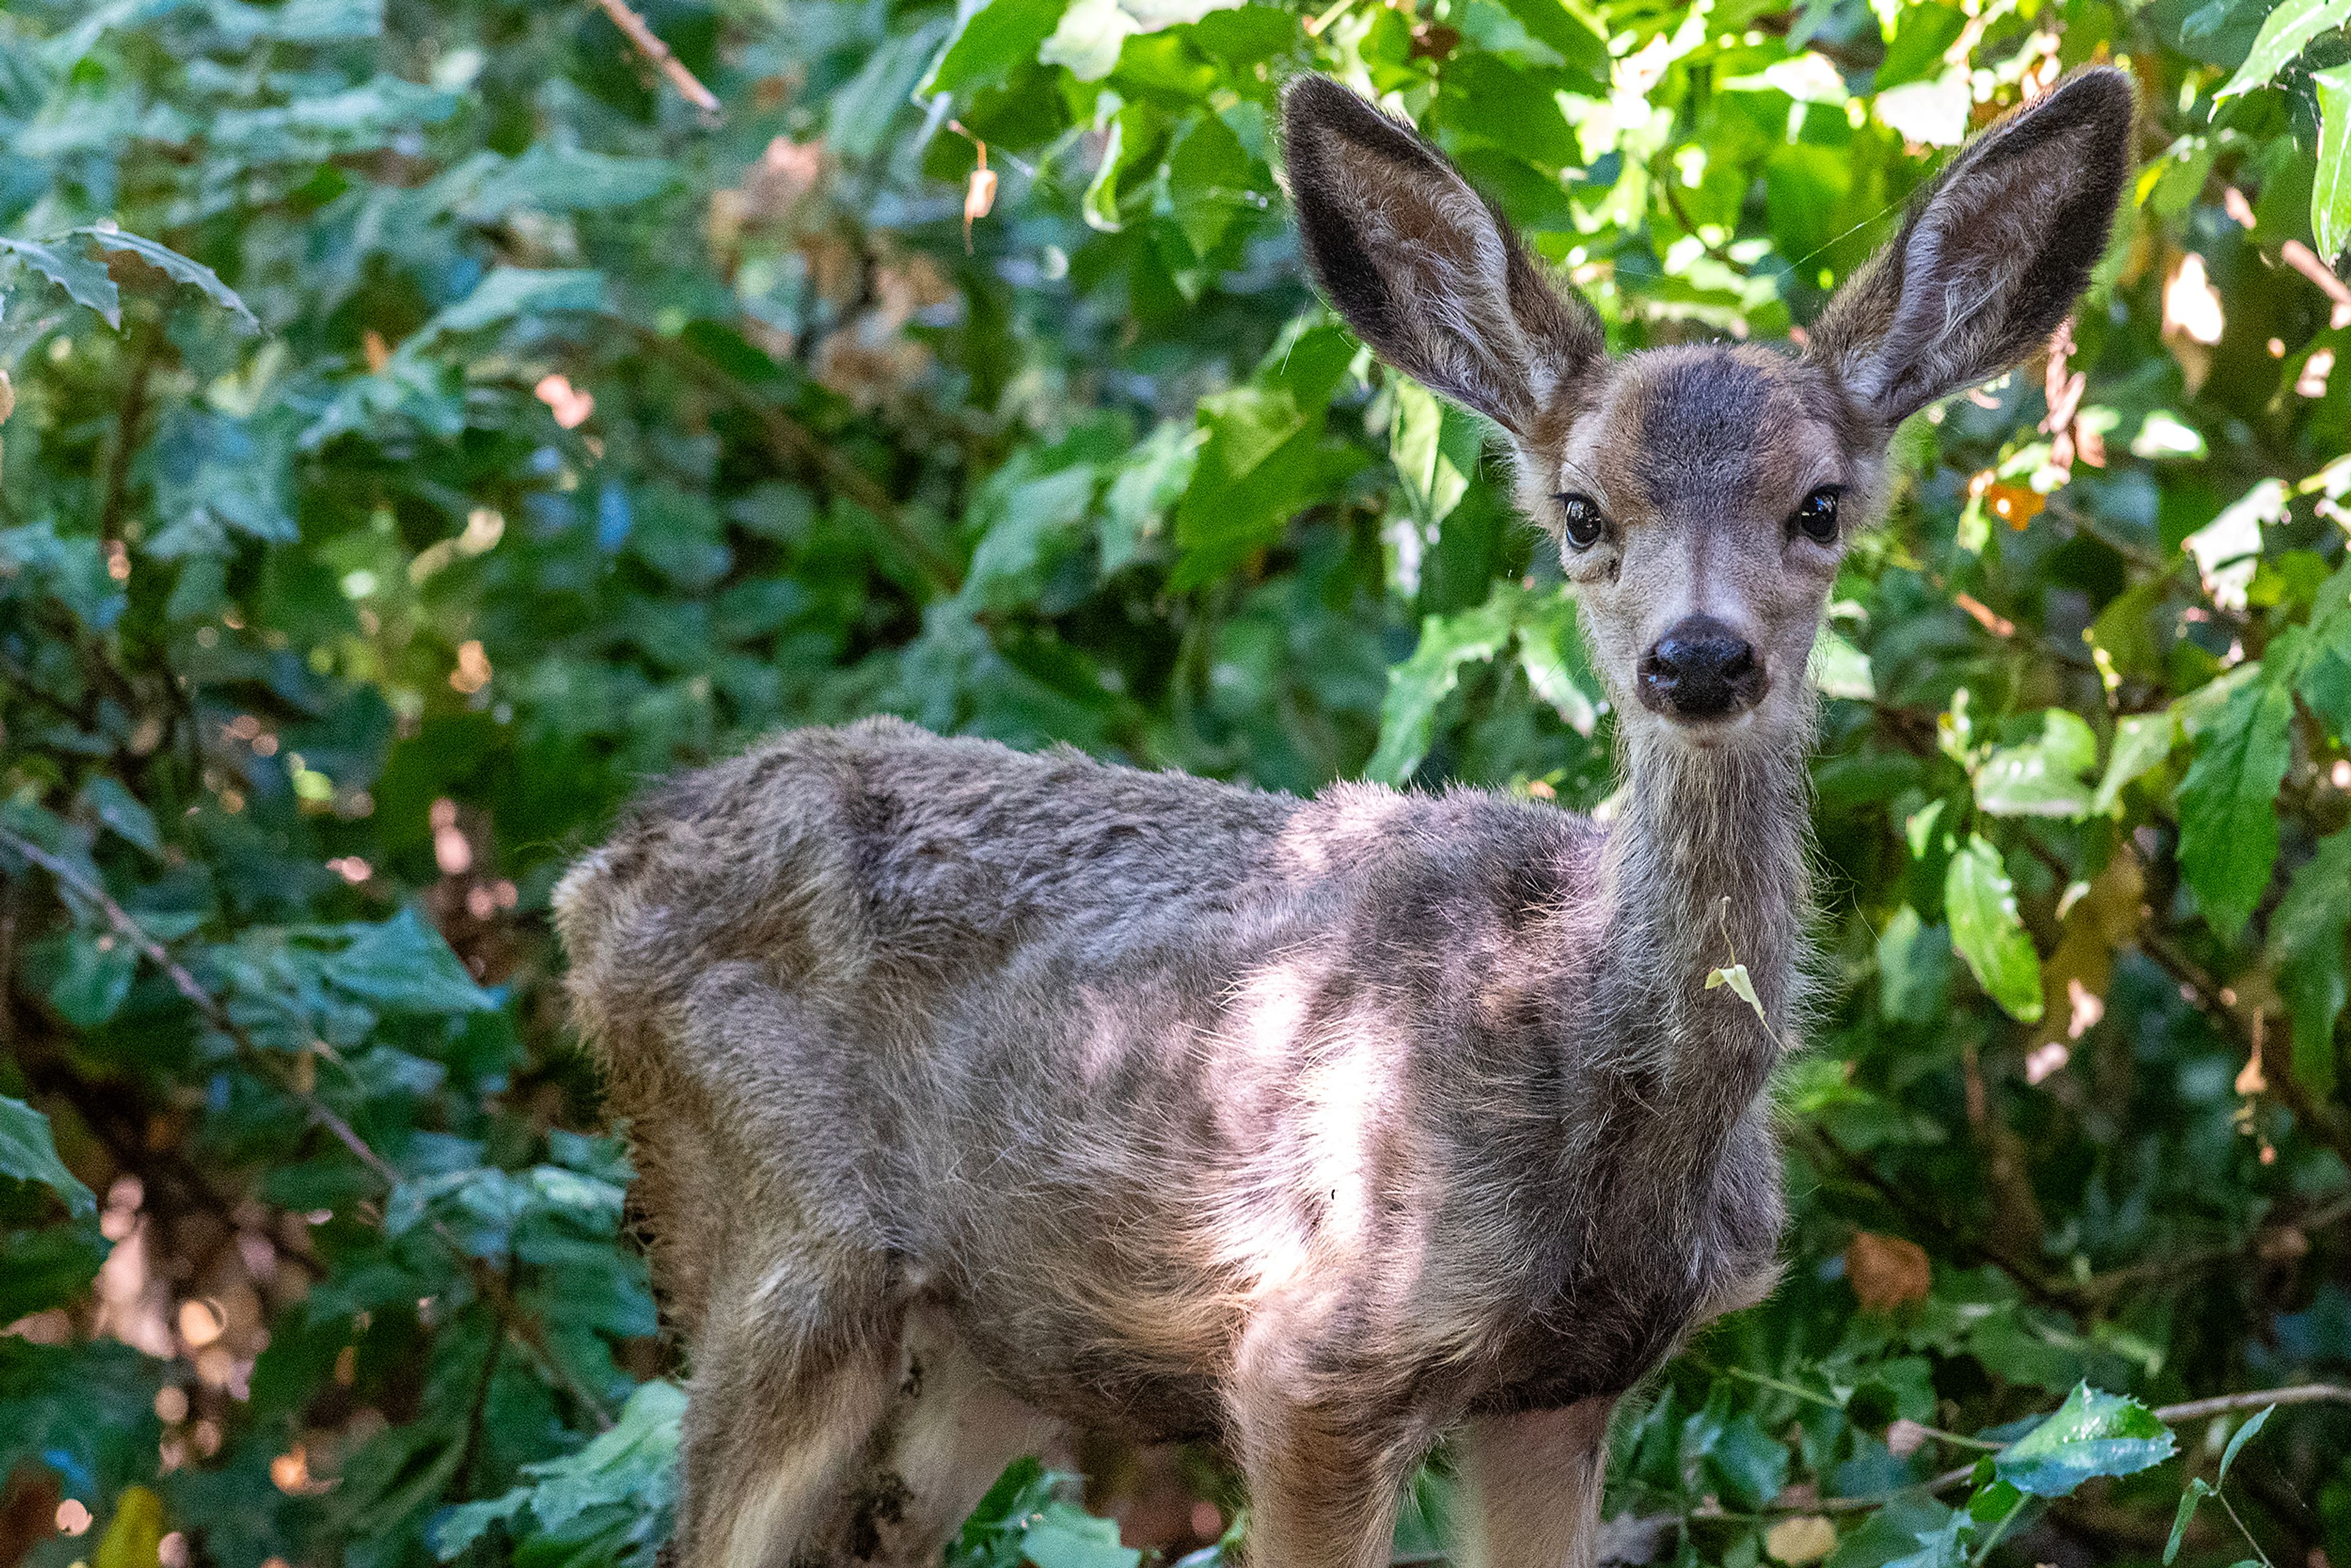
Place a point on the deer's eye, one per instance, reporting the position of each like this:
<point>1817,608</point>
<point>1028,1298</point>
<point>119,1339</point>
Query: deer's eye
<point>1816,520</point>
<point>1580,520</point>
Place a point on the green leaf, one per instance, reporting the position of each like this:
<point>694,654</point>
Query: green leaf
<point>2142,742</point>
<point>1432,484</point>
<point>28,1154</point>
<point>2238,1440</point>
<point>86,282</point>
<point>2046,777</point>
<point>401,964</point>
<point>995,37</point>
<point>119,810</point>
<point>2092,1434</point>
<point>2330,191</point>
<point>45,1269</point>
<point>1985,929</point>
<point>2228,803</point>
<point>2195,1492</point>
<point>2293,23</point>
<point>512,291</point>
<point>1839,669</point>
<point>173,265</point>
<point>2306,948</point>
<point>1421,683</point>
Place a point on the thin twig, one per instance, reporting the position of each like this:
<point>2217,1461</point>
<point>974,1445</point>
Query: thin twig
<point>840,474</point>
<point>663,59</point>
<point>488,1282</point>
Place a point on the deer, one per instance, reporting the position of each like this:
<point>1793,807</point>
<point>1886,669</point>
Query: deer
<point>978,1097</point>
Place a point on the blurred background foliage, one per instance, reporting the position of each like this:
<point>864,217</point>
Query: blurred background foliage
<point>424,424</point>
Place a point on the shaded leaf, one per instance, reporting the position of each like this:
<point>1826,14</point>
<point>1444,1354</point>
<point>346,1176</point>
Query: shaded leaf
<point>27,1154</point>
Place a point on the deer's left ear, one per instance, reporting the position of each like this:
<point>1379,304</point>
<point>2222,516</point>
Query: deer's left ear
<point>1423,270</point>
<point>1991,256</point>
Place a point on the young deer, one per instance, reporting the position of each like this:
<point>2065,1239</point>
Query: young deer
<point>976,1092</point>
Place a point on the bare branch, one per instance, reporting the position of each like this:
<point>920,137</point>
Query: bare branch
<point>649,45</point>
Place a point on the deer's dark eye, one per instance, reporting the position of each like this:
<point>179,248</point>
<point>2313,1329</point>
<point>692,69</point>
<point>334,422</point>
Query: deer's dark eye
<point>1580,520</point>
<point>1816,520</point>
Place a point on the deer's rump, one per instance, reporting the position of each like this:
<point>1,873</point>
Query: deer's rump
<point>1102,1060</point>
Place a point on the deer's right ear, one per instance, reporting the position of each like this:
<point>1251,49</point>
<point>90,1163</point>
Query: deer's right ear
<point>1422,269</point>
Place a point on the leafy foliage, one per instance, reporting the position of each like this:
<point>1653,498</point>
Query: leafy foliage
<point>423,425</point>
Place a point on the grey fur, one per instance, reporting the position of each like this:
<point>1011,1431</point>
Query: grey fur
<point>974,1092</point>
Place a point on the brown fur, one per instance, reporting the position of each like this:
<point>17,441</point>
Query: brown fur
<point>976,1092</point>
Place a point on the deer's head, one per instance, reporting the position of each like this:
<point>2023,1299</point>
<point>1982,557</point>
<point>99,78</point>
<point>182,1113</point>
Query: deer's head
<point>1701,496</point>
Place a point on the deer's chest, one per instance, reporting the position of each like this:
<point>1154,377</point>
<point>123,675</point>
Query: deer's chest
<point>1600,1310</point>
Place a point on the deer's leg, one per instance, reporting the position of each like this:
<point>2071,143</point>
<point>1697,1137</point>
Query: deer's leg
<point>949,1432</point>
<point>1326,1454</point>
<point>784,1398</point>
<point>1531,1488</point>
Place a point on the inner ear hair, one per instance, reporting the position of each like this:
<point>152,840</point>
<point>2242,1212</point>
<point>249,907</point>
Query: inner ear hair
<point>1422,268</point>
<point>1992,255</point>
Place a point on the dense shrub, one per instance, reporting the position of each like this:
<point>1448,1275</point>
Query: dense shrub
<point>428,424</point>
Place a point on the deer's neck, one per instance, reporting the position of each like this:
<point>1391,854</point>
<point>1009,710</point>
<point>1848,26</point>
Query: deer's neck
<point>1706,868</point>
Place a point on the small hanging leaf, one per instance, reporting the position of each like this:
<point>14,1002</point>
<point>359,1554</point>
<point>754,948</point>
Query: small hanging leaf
<point>2238,1440</point>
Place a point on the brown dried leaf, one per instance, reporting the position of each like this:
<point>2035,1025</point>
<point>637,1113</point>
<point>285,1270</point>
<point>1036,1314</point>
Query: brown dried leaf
<point>1886,1272</point>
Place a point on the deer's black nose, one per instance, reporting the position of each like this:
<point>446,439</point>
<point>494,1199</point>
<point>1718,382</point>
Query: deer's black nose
<point>1700,669</point>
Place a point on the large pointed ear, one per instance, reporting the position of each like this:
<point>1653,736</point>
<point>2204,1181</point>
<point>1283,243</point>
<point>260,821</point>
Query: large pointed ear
<point>1992,255</point>
<point>1423,270</point>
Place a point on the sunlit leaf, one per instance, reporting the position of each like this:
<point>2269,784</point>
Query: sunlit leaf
<point>2092,1434</point>
<point>1987,932</point>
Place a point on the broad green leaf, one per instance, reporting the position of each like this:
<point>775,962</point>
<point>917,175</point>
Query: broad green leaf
<point>2228,803</point>
<point>403,965</point>
<point>86,282</point>
<point>1418,686</point>
<point>27,1154</point>
<point>2306,947</point>
<point>45,1269</point>
<point>2293,23</point>
<point>1839,669</point>
<point>1914,969</point>
<point>121,811</point>
<point>173,265</point>
<point>2142,742</point>
<point>1985,929</point>
<point>91,975</point>
<point>1431,483</point>
<point>995,37</point>
<point>1551,655</point>
<point>2330,191</point>
<point>2092,1434</point>
<point>2045,778</point>
<point>511,291</point>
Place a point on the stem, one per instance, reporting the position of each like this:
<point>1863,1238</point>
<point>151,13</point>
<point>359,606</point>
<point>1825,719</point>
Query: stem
<point>2241,1530</point>
<point>633,27</point>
